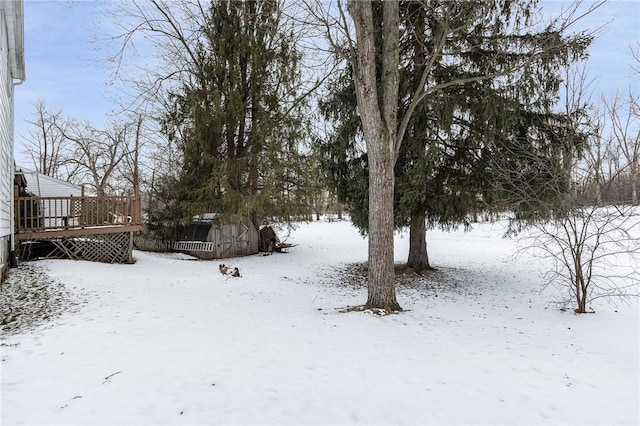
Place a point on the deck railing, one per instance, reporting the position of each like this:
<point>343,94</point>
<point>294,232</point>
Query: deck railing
<point>40,216</point>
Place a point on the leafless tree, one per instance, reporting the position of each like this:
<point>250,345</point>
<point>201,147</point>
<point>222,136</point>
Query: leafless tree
<point>144,29</point>
<point>45,145</point>
<point>623,114</point>
<point>108,160</point>
<point>594,249</point>
<point>137,160</point>
<point>635,55</point>
<point>152,51</point>
<point>96,153</point>
<point>593,246</point>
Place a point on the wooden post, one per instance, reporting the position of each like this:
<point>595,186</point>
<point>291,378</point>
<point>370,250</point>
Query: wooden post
<point>130,247</point>
<point>69,211</point>
<point>16,209</point>
<point>82,214</point>
<point>138,205</point>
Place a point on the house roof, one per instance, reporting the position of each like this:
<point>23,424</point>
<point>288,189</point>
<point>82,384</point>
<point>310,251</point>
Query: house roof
<point>13,11</point>
<point>47,186</point>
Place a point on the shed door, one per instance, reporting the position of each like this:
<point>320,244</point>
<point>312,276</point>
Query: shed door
<point>224,241</point>
<point>241,240</point>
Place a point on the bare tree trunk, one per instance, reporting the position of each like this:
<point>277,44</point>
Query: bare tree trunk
<point>136,154</point>
<point>634,184</point>
<point>418,257</point>
<point>581,288</point>
<point>46,145</point>
<point>381,259</point>
<point>378,108</point>
<point>623,114</point>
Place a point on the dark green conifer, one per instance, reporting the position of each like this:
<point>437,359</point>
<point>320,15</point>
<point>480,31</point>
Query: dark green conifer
<point>492,108</point>
<point>234,119</point>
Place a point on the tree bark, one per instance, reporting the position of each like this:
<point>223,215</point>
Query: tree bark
<point>381,277</point>
<point>634,184</point>
<point>378,108</point>
<point>418,257</point>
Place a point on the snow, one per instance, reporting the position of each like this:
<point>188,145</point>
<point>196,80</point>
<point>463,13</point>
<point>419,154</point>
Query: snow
<point>171,341</point>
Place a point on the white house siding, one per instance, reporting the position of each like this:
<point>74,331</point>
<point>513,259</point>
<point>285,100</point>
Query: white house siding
<point>6,146</point>
<point>11,67</point>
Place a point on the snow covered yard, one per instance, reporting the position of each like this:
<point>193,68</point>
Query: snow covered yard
<point>170,340</point>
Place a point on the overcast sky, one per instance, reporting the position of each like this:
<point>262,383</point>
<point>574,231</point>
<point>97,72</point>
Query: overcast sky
<point>63,64</point>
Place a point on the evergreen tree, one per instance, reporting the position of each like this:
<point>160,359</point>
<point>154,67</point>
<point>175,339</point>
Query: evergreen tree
<point>234,120</point>
<point>493,106</point>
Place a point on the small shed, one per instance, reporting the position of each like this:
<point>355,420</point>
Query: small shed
<point>211,236</point>
<point>41,185</point>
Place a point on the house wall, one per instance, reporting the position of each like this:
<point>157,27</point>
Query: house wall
<point>11,66</point>
<point>6,146</point>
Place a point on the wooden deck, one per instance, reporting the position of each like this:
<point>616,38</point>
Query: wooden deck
<point>54,217</point>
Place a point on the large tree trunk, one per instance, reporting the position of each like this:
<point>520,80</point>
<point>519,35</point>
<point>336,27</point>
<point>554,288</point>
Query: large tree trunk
<point>418,257</point>
<point>378,108</point>
<point>382,293</point>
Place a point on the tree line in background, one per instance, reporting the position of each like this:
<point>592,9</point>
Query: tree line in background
<point>107,161</point>
<point>433,112</point>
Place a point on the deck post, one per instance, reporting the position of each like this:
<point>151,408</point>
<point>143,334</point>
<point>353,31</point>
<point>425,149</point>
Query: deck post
<point>16,209</point>
<point>130,247</point>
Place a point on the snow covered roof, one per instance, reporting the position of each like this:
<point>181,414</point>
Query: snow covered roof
<point>205,217</point>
